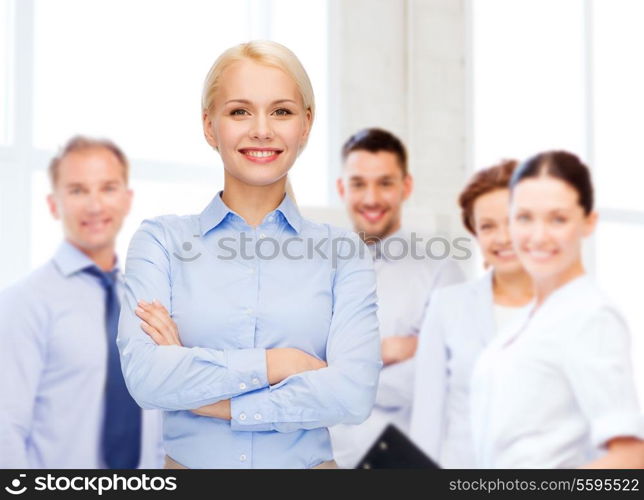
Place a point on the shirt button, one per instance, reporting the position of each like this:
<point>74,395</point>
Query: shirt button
<point>258,416</point>
<point>262,236</point>
<point>255,381</point>
<point>242,386</point>
<point>242,416</point>
<point>270,218</point>
<point>242,457</point>
<point>248,310</point>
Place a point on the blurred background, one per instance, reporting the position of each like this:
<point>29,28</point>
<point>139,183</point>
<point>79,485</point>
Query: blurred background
<point>463,82</point>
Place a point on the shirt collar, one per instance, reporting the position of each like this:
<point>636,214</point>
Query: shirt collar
<point>70,259</point>
<point>289,210</point>
<point>217,210</point>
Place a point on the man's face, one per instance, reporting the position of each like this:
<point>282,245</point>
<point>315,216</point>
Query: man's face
<point>373,188</point>
<point>91,199</point>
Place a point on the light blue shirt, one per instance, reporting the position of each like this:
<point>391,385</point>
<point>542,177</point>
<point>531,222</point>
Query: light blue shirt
<point>235,291</point>
<point>53,362</point>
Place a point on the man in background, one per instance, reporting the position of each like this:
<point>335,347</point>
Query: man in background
<point>63,400</point>
<point>374,185</point>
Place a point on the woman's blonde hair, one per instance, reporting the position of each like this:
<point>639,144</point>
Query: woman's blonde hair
<point>263,52</point>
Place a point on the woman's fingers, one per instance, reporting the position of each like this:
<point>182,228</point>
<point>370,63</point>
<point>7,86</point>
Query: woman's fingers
<point>159,313</point>
<point>165,316</point>
<point>158,317</point>
<point>153,333</point>
<point>151,319</point>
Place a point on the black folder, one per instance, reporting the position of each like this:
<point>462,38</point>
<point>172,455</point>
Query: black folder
<point>394,450</point>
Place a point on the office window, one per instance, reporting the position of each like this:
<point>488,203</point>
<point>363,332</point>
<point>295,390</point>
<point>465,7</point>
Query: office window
<point>6,62</point>
<point>528,81</point>
<point>131,71</point>
<point>618,80</point>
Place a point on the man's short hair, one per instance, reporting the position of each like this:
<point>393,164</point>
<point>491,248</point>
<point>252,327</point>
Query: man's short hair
<point>80,143</point>
<point>375,140</point>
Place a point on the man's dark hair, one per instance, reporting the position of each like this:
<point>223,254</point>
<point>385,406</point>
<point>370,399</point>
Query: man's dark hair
<point>375,140</point>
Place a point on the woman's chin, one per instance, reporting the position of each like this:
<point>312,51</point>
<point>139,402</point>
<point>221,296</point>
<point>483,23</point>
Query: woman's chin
<point>258,178</point>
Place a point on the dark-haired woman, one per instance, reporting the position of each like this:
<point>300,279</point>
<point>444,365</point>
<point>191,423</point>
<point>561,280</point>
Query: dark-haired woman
<point>463,318</point>
<point>557,391</point>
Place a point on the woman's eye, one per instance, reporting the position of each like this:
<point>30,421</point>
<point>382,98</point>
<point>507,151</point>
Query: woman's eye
<point>283,112</point>
<point>560,220</point>
<point>523,218</point>
<point>238,112</point>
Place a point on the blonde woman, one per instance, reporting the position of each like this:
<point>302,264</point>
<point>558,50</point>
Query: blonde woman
<point>264,332</point>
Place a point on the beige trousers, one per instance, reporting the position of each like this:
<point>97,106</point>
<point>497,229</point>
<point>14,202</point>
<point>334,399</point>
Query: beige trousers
<point>171,464</point>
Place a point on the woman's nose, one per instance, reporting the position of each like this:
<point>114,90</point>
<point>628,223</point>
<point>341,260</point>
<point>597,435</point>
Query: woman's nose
<point>261,128</point>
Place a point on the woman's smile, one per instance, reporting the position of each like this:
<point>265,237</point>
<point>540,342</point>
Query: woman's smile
<point>261,155</point>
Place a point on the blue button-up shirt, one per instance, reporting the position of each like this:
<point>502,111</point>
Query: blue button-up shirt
<point>235,291</point>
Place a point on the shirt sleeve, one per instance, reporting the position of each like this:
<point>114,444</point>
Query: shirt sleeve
<point>174,377</point>
<point>396,387</point>
<point>22,357</point>
<point>344,391</point>
<point>428,407</point>
<point>598,365</point>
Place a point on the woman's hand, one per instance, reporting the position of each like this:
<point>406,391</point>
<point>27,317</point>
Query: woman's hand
<point>282,362</point>
<point>157,323</point>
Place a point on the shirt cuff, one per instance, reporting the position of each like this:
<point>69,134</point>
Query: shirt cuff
<point>251,366</point>
<point>251,411</point>
<point>617,425</point>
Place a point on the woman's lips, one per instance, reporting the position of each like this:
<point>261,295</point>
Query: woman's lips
<point>261,156</point>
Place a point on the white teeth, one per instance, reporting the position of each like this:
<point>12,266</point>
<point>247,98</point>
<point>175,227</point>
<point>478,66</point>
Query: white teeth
<point>372,215</point>
<point>505,253</point>
<point>260,154</point>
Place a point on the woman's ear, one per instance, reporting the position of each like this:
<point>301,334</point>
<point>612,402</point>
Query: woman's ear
<point>208,130</point>
<point>591,223</point>
<point>308,119</point>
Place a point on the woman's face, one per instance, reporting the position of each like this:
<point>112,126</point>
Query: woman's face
<point>258,123</point>
<point>547,226</point>
<point>490,212</point>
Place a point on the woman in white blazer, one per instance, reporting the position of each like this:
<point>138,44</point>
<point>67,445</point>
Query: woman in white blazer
<point>462,319</point>
<point>557,389</point>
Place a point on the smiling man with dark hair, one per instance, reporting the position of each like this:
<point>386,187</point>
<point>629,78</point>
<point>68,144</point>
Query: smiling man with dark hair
<point>374,185</point>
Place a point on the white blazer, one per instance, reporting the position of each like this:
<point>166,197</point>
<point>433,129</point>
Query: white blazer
<point>458,325</point>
